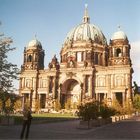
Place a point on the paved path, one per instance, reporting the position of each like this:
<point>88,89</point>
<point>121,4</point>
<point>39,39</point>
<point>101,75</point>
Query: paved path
<point>126,129</point>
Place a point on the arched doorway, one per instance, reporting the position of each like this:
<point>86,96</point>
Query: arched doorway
<point>70,93</point>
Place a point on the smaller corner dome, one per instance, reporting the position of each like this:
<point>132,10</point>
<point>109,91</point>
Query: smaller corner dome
<point>34,44</point>
<point>119,35</point>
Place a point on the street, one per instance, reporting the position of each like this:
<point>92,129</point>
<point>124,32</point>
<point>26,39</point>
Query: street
<point>126,129</point>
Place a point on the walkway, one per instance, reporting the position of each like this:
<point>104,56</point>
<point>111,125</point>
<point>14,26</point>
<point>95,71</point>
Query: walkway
<point>126,129</point>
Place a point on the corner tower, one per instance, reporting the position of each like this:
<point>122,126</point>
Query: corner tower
<point>119,49</point>
<point>33,56</point>
<point>32,64</point>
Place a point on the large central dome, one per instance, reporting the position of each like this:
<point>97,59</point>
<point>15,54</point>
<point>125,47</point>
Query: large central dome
<point>86,31</point>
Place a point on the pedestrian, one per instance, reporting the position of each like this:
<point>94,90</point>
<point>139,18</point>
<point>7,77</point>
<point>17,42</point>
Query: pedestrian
<point>27,117</point>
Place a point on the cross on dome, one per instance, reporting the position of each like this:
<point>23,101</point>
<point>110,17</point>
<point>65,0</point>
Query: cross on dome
<point>119,27</point>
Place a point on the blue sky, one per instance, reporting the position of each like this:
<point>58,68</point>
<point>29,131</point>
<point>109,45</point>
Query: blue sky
<point>51,20</point>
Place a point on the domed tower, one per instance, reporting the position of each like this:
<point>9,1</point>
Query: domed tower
<point>85,45</point>
<point>33,63</point>
<point>119,49</point>
<point>83,54</point>
<point>120,66</point>
<point>33,56</point>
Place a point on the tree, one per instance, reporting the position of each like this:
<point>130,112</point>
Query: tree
<point>8,71</point>
<point>136,88</point>
<point>89,110</point>
<point>136,102</point>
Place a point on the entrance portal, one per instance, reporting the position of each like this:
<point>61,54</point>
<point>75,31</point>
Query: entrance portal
<point>119,97</point>
<point>70,94</point>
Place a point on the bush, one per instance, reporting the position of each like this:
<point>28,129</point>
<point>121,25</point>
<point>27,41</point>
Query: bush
<point>68,104</point>
<point>136,102</point>
<point>106,112</point>
<point>89,111</point>
<point>57,105</point>
<point>119,109</point>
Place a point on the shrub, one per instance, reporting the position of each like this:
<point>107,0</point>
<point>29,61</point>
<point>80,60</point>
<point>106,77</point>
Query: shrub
<point>57,105</point>
<point>136,102</point>
<point>106,112</point>
<point>89,111</point>
<point>68,104</point>
<point>119,109</point>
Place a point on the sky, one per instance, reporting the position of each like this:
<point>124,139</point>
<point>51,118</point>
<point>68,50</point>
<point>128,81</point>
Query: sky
<point>51,20</point>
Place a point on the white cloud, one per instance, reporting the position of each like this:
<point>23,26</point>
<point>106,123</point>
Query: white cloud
<point>135,57</point>
<point>135,54</point>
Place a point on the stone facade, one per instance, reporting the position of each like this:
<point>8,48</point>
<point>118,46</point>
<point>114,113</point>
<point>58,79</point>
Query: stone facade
<point>88,68</point>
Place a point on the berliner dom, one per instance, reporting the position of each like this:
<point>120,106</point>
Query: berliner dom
<point>89,68</point>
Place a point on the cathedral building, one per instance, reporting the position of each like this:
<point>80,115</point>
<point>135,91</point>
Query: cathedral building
<point>89,68</point>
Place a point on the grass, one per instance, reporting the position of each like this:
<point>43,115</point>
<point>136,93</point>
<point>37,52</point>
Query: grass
<point>50,117</point>
<point>44,118</point>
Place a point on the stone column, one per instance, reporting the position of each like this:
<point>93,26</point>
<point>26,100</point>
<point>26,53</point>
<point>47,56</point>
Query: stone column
<point>39,99</point>
<point>129,86</point>
<point>47,94</point>
<point>47,86</point>
<point>113,96</point>
<point>97,96</point>
<point>124,51</point>
<point>113,52</point>
<point>54,87</point>
<point>84,85</point>
<point>90,86</point>
<point>112,81</point>
<point>123,99</point>
<point>59,92</point>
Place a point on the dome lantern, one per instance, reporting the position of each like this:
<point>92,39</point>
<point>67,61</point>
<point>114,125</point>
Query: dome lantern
<point>85,32</point>
<point>86,18</point>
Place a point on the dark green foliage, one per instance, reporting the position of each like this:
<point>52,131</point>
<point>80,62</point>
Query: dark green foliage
<point>106,112</point>
<point>7,102</point>
<point>136,88</point>
<point>88,111</point>
<point>8,72</point>
<point>136,102</point>
<point>92,110</point>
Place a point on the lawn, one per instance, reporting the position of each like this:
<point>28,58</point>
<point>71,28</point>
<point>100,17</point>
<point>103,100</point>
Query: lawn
<point>44,118</point>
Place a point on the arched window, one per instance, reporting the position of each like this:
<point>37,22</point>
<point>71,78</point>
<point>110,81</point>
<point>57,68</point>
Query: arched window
<point>30,58</point>
<point>118,52</point>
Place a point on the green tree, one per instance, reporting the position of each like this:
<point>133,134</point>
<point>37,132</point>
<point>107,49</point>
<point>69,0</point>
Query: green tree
<point>117,106</point>
<point>18,105</point>
<point>8,71</point>
<point>128,107</point>
<point>135,88</point>
<point>89,110</point>
<point>106,112</point>
<point>136,102</point>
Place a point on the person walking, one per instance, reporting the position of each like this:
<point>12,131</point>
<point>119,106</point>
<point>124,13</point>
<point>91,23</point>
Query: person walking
<point>27,117</point>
